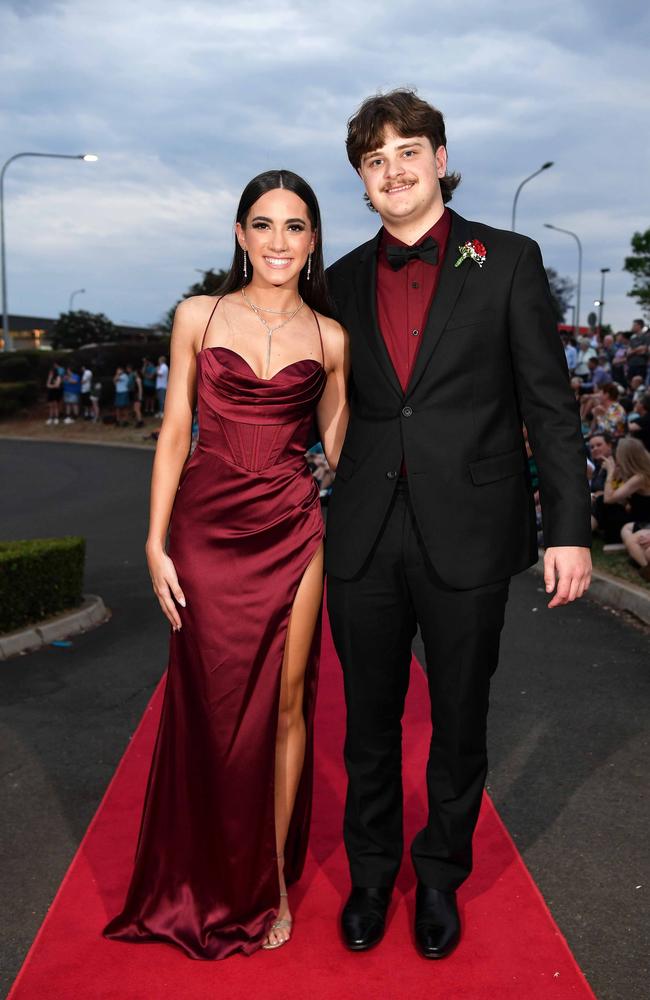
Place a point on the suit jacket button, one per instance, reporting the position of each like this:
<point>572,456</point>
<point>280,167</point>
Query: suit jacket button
<point>407,411</point>
<point>392,474</point>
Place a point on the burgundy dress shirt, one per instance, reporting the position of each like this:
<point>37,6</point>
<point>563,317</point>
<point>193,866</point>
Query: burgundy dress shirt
<point>405,296</point>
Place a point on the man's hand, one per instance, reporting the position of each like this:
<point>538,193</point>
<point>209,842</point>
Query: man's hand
<point>570,567</point>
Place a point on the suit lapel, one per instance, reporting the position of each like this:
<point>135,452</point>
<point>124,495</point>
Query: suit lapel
<point>366,286</point>
<point>449,287</point>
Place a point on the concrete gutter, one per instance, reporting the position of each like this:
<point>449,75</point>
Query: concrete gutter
<point>91,613</point>
<point>615,593</point>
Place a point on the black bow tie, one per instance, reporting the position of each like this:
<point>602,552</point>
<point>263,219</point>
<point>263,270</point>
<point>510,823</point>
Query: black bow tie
<point>427,251</point>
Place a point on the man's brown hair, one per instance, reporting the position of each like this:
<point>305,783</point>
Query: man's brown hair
<point>409,116</point>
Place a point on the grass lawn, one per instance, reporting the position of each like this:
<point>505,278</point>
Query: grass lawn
<point>616,564</point>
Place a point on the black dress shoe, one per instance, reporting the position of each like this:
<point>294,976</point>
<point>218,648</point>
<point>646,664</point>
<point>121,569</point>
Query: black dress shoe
<point>364,917</point>
<point>437,924</point>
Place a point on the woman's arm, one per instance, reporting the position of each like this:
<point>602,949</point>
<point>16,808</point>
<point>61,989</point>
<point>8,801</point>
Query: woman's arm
<point>621,493</point>
<point>171,452</point>
<point>332,412</point>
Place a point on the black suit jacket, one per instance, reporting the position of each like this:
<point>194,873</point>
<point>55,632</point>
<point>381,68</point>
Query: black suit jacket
<point>490,359</point>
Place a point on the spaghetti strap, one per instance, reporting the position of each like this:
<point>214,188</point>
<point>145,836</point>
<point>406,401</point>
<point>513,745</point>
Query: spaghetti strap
<point>320,335</point>
<point>209,321</point>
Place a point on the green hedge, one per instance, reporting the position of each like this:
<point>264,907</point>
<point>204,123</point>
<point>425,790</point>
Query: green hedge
<point>15,396</point>
<point>16,367</point>
<point>39,577</point>
<point>102,358</point>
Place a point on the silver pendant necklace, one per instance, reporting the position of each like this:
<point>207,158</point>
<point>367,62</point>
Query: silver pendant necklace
<point>270,330</point>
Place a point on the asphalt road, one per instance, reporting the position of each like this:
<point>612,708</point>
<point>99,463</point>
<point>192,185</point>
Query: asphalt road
<point>568,727</point>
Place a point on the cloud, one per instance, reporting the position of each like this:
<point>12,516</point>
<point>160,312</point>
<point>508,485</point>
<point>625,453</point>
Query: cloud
<point>185,102</point>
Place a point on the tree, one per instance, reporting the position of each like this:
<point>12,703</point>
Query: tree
<point>562,291</point>
<point>210,285</point>
<point>74,329</point>
<point>638,266</point>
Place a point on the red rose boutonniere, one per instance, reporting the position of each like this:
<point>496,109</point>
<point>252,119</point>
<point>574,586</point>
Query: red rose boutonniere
<point>473,249</point>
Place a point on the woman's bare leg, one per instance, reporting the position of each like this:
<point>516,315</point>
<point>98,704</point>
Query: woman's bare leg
<point>290,744</point>
<point>633,546</point>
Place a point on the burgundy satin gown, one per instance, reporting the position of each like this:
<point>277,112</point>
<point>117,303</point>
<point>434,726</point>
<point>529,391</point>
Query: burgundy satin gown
<point>245,524</point>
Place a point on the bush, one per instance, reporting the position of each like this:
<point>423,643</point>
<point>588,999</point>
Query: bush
<point>15,368</point>
<point>39,577</point>
<point>15,396</point>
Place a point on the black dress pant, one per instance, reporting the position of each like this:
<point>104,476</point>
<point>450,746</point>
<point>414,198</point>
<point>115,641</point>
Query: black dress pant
<point>374,618</point>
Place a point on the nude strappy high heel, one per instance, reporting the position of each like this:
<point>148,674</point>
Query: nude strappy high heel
<point>283,923</point>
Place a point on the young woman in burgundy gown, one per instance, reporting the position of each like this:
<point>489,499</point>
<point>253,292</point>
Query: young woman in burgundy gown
<point>226,814</point>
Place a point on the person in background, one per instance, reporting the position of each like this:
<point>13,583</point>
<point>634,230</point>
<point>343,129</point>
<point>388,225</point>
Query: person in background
<point>637,355</point>
<point>162,374</point>
<point>636,389</point>
<point>86,387</point>
<point>608,347</point>
<point>608,413</point>
<point>121,380</point>
<point>54,393</point>
<point>71,394</point>
<point>585,351</point>
<point>633,461</point>
<point>605,518</point>
<point>95,396</point>
<point>621,343</point>
<point>135,394</point>
<point>148,372</point>
<point>570,353</point>
<point>598,375</point>
<point>641,426</point>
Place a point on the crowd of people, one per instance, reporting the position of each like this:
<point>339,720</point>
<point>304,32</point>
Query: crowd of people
<point>74,393</point>
<point>610,376</point>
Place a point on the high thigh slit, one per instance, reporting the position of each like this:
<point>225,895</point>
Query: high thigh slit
<point>245,527</point>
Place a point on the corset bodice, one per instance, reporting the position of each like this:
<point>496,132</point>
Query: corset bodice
<point>251,422</point>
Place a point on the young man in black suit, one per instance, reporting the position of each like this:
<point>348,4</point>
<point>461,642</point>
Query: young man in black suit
<point>454,346</point>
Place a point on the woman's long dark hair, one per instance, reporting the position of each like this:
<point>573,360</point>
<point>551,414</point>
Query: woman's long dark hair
<point>314,291</point>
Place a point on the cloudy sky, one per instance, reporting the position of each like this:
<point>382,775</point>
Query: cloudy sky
<point>185,102</point>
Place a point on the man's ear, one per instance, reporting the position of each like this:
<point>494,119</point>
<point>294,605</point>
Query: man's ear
<point>441,161</point>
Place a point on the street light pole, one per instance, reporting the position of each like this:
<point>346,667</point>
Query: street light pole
<point>576,328</point>
<point>89,158</point>
<point>78,291</point>
<point>601,301</point>
<point>545,166</point>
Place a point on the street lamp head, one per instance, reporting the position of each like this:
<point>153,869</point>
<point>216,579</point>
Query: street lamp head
<point>89,157</point>
<point>545,166</point>
<point>604,270</point>
<point>549,225</point>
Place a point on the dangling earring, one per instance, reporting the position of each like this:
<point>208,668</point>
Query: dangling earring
<point>309,266</point>
<point>245,268</point>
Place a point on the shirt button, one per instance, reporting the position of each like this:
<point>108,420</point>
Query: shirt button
<point>392,474</point>
<point>407,411</point>
<point>415,284</point>
<point>415,332</point>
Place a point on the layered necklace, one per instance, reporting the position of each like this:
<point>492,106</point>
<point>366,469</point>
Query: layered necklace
<point>270,330</point>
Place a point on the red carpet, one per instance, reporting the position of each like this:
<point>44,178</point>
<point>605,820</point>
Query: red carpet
<point>511,947</point>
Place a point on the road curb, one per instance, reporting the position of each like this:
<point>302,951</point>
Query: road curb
<point>91,613</point>
<point>615,593</point>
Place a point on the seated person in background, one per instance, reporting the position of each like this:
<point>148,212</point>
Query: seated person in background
<point>605,518</point>
<point>576,386</point>
<point>607,412</point>
<point>599,374</point>
<point>633,461</point>
<point>641,426</point>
